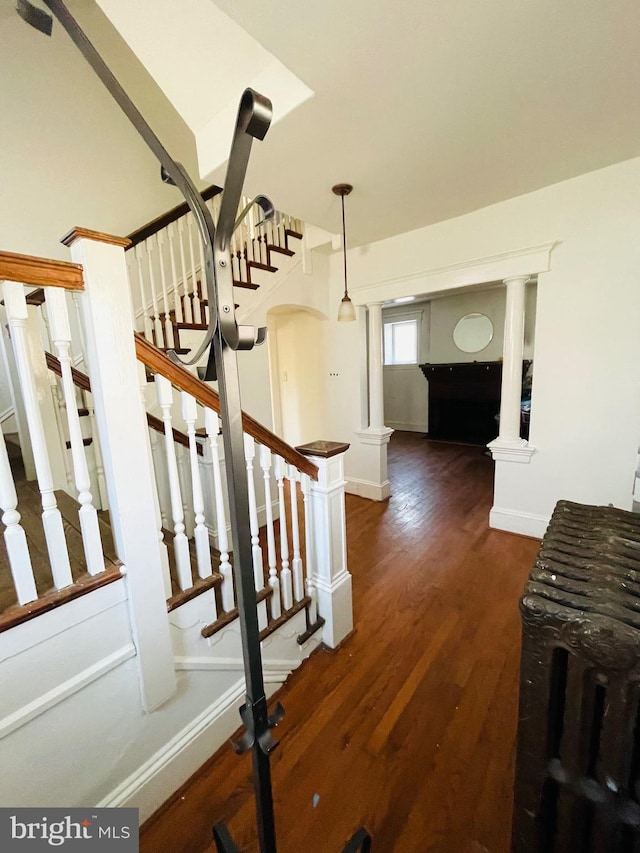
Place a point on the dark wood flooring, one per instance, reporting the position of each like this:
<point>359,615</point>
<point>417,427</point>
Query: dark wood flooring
<point>409,728</point>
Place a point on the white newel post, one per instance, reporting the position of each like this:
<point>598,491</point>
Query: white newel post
<point>108,320</point>
<point>331,578</point>
<point>508,446</point>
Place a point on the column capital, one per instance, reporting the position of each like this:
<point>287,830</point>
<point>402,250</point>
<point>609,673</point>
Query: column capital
<point>374,304</point>
<point>520,279</point>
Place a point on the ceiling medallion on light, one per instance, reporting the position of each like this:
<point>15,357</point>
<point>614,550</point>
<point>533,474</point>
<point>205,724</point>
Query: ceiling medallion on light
<point>347,312</point>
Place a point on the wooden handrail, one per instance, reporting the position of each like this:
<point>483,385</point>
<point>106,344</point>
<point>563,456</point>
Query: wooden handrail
<point>165,219</point>
<point>40,272</point>
<point>82,381</point>
<point>157,361</point>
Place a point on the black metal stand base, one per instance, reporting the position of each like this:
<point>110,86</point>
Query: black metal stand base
<point>360,842</point>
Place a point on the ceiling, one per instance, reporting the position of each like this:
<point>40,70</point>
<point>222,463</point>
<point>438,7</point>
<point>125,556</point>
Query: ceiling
<point>434,108</point>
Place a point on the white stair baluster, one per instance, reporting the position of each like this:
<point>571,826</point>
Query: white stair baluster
<point>201,534</point>
<point>296,563</point>
<point>168,330</point>
<point>312,608</point>
<point>184,478</point>
<point>256,550</point>
<point>153,457</point>
<point>285,572</point>
<point>172,231</point>
<point>180,542</point>
<point>274,580</point>
<point>157,325</point>
<point>146,321</point>
<point>186,301</point>
<point>60,331</point>
<point>97,453</point>
<point>14,536</point>
<point>195,303</point>
<point>51,519</point>
<point>160,471</point>
<point>58,407</point>
<point>203,295</point>
<point>212,426</point>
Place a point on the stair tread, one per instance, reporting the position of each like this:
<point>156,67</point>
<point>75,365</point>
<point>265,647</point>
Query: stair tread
<point>198,327</point>
<point>247,285</point>
<point>282,249</point>
<point>258,265</point>
<point>291,233</point>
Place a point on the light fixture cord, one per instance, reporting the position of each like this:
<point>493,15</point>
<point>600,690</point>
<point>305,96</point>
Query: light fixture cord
<point>344,247</point>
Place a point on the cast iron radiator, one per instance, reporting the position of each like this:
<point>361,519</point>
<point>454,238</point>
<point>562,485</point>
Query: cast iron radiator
<point>577,787</point>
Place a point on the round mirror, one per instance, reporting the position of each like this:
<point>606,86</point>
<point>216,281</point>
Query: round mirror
<point>473,332</point>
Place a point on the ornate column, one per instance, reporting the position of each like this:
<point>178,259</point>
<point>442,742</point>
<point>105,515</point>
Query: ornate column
<point>375,437</point>
<point>376,388</point>
<point>508,446</point>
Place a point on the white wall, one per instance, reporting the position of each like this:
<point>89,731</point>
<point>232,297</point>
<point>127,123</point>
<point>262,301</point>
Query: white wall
<point>298,361</point>
<point>69,156</point>
<point>447,310</point>
<point>585,419</point>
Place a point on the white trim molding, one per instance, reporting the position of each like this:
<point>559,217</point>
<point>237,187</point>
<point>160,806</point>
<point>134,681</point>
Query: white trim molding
<point>63,691</point>
<point>528,260</point>
<point>368,489</point>
<point>375,436</point>
<point>524,523</point>
<point>503,450</point>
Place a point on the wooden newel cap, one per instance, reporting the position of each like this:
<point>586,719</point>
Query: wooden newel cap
<point>85,233</point>
<point>324,449</point>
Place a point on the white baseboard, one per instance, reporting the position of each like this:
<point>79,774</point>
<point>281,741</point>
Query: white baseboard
<point>367,489</point>
<point>524,523</point>
<point>63,691</point>
<point>162,774</point>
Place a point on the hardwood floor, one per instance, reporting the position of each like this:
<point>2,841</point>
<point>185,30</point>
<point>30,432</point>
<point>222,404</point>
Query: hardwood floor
<point>409,728</point>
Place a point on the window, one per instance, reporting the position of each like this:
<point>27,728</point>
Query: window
<point>401,342</point>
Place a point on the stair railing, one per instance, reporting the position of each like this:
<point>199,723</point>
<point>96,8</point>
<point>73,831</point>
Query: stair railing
<point>165,263</point>
<point>17,273</point>
<point>278,482</point>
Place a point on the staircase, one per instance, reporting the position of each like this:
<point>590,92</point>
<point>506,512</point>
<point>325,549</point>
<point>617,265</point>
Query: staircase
<point>117,539</point>
<point>165,262</point>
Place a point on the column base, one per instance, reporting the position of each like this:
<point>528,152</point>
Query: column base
<point>511,450</point>
<point>336,608</point>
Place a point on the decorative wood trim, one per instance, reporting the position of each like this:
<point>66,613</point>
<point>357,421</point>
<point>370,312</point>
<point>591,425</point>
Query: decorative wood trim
<point>157,361</point>
<point>230,615</point>
<point>40,272</point>
<point>160,222</point>
<point>98,236</point>
<point>324,449</point>
<point>55,598</point>
<point>200,586</point>
<point>281,620</point>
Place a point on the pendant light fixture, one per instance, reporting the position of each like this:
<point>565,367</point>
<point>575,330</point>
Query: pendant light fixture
<point>347,312</point>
